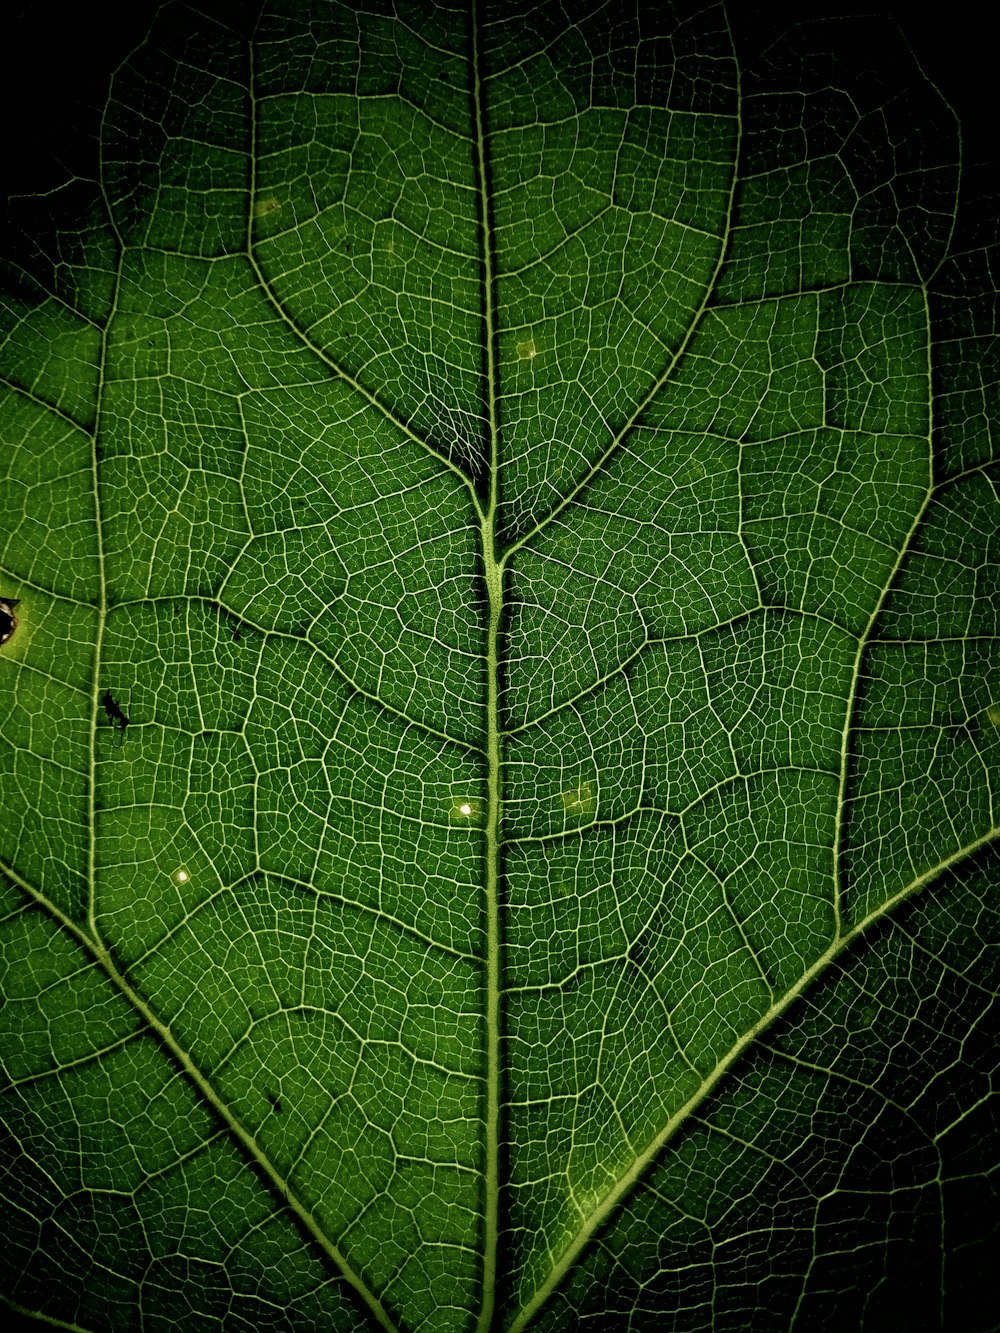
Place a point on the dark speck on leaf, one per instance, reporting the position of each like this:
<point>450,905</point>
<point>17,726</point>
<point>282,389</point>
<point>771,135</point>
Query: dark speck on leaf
<point>275,1103</point>
<point>116,714</point>
<point>8,621</point>
<point>638,952</point>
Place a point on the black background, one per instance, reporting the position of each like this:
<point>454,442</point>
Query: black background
<point>57,60</point>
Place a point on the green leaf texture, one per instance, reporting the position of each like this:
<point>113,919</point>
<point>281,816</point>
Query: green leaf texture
<point>530,484</point>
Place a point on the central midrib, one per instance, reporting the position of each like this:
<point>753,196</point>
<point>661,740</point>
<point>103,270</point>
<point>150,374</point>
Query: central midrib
<point>493,575</point>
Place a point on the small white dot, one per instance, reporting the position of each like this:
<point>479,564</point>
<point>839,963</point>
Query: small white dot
<point>464,811</point>
<point>182,876</point>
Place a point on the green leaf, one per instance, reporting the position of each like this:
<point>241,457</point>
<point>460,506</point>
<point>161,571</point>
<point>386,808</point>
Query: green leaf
<point>501,737</point>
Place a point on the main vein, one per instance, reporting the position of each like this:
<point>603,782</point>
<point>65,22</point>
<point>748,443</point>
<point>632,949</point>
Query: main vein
<point>493,578</point>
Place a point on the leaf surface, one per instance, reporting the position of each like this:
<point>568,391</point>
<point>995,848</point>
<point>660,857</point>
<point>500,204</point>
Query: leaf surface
<point>500,779</point>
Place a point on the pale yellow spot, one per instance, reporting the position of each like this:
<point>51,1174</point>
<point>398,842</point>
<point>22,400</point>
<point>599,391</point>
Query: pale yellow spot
<point>527,350</point>
<point>993,713</point>
<point>181,876</point>
<point>579,800</point>
<point>386,247</point>
<point>265,206</point>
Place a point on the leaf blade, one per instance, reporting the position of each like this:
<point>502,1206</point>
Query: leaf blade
<point>537,662</point>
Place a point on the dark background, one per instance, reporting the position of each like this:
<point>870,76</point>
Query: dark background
<point>56,60</point>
